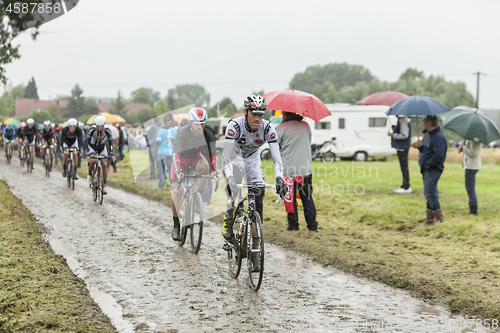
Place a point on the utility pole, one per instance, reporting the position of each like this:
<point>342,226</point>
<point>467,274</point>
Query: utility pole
<point>477,92</point>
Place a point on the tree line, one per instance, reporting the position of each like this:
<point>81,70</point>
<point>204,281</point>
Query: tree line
<point>332,83</point>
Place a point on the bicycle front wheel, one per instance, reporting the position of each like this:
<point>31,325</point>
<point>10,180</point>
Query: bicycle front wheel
<point>197,219</point>
<point>183,214</point>
<point>69,172</point>
<point>255,253</point>
<point>28,163</point>
<point>100,177</point>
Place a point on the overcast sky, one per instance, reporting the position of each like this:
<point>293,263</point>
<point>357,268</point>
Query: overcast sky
<point>234,48</point>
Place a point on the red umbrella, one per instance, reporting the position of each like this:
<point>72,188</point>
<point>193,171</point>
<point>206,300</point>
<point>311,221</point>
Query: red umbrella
<point>382,98</point>
<point>299,102</point>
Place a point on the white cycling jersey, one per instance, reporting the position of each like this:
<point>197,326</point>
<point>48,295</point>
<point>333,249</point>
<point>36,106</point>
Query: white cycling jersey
<point>241,148</point>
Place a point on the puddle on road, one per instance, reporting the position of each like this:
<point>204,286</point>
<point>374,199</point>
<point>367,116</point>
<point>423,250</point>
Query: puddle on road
<point>145,283</point>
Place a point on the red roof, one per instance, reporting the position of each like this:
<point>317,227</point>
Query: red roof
<point>24,106</point>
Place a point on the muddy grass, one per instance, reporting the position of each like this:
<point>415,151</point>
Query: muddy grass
<point>38,290</point>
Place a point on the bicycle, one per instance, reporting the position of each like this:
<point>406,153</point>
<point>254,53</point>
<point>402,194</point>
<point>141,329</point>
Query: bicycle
<point>9,150</point>
<point>46,160</point>
<point>22,156</point>
<point>97,180</point>
<point>248,238</point>
<point>29,158</point>
<point>191,210</point>
<point>70,168</point>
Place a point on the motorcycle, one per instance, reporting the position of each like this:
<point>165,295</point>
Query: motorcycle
<point>324,151</point>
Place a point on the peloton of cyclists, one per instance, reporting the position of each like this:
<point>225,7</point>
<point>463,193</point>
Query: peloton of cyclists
<point>99,141</point>
<point>47,138</point>
<point>71,137</point>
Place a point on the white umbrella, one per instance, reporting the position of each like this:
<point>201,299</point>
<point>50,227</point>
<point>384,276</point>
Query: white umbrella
<point>114,131</point>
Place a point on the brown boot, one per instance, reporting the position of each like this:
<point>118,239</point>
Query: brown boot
<point>438,214</point>
<point>429,220</point>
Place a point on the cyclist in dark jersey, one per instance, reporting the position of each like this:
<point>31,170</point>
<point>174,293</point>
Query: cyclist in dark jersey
<point>20,137</point>
<point>71,137</point>
<point>47,138</point>
<point>29,134</point>
<point>191,144</point>
<point>9,134</point>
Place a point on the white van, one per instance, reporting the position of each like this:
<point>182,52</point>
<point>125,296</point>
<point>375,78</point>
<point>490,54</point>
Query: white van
<point>360,130</point>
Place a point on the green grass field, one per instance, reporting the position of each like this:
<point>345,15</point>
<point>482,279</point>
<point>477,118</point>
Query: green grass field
<point>368,230</point>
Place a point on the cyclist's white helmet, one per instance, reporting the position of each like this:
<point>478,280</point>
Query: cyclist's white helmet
<point>30,121</point>
<point>197,115</point>
<point>72,122</point>
<point>46,122</point>
<point>99,120</point>
<point>255,104</point>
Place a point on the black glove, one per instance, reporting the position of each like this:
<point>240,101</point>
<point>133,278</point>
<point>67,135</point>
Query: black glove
<point>232,186</point>
<point>281,188</point>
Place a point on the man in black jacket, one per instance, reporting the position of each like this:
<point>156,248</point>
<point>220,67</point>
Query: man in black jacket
<point>432,157</point>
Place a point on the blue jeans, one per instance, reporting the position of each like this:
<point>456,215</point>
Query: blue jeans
<point>431,178</point>
<point>120,150</point>
<point>305,191</point>
<point>164,161</point>
<point>206,196</point>
<point>470,184</point>
<point>57,154</point>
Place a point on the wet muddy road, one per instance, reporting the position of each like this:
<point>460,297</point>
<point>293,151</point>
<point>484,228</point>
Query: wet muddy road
<point>145,283</point>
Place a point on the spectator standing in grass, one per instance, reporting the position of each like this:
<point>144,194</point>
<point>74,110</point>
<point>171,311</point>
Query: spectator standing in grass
<point>400,140</point>
<point>471,162</point>
<point>294,139</point>
<point>151,135</point>
<point>432,158</point>
<point>121,141</point>
<point>165,140</point>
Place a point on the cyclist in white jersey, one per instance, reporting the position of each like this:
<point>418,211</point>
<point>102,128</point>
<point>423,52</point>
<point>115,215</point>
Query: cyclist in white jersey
<point>241,157</point>
<point>99,140</point>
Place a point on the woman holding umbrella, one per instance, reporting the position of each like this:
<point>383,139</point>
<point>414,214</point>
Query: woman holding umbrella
<point>472,163</point>
<point>475,127</point>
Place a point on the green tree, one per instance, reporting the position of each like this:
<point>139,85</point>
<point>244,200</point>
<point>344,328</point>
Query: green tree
<point>7,105</point>
<point>119,104</point>
<point>18,91</point>
<point>17,22</point>
<point>186,94</point>
<point>76,106</point>
<point>145,95</point>
<point>31,90</point>
<point>411,74</point>
<point>338,74</point>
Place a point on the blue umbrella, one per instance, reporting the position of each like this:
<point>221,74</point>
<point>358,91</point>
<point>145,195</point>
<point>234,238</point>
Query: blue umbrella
<point>417,106</point>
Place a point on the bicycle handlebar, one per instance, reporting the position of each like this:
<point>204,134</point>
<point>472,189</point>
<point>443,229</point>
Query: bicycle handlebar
<point>97,157</point>
<point>255,186</point>
<point>198,176</point>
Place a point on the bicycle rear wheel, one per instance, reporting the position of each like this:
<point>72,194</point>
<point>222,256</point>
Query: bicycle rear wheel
<point>184,218</point>
<point>197,226</point>
<point>255,253</point>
